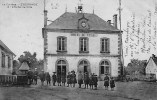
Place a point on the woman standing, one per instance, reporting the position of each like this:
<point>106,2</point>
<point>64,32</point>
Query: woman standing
<point>106,82</point>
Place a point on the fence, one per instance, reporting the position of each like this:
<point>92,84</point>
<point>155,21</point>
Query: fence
<point>9,80</point>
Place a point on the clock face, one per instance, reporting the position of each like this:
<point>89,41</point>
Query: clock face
<point>83,24</point>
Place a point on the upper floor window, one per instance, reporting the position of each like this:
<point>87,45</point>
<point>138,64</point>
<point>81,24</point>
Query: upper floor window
<point>61,44</point>
<point>83,45</point>
<point>3,59</point>
<point>105,43</point>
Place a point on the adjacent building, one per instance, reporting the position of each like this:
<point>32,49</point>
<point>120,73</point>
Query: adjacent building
<point>82,42</point>
<point>151,68</point>
<point>6,59</point>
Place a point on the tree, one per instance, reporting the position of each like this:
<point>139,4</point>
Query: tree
<point>136,66</point>
<point>31,60</point>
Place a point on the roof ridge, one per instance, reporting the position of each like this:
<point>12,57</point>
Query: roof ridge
<point>5,47</point>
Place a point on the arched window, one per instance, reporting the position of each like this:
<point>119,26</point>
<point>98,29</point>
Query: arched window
<point>105,67</point>
<point>83,66</point>
<point>61,67</point>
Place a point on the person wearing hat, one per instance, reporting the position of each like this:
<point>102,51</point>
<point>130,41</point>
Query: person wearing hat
<point>35,76</point>
<point>106,81</point>
<point>86,80</point>
<point>54,78</point>
<point>42,77</point>
<point>91,81</point>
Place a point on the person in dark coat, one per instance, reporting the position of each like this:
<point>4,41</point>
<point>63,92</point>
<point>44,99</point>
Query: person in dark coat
<point>48,78</point>
<point>80,79</point>
<point>35,76</point>
<point>68,79</point>
<point>112,83</point>
<point>54,78</point>
<point>42,77</point>
<point>86,80</point>
<point>106,82</point>
<point>95,81</point>
<point>73,78</point>
<point>91,81</point>
<point>63,77</point>
<point>30,77</point>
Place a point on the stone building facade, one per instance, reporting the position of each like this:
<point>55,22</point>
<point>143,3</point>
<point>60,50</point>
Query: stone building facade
<point>82,42</point>
<point>6,59</point>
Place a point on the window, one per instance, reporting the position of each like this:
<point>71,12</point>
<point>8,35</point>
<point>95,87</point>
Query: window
<point>3,59</point>
<point>105,67</point>
<point>61,44</point>
<point>104,42</point>
<point>9,62</point>
<point>61,68</point>
<point>83,45</point>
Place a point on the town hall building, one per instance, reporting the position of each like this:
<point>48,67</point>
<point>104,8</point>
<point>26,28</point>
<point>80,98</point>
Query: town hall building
<point>82,42</point>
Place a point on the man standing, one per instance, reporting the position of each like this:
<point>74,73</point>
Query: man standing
<point>54,78</point>
<point>48,78</point>
<point>42,77</point>
<point>30,76</point>
<point>86,80</point>
<point>106,82</point>
<point>80,79</point>
<point>35,76</point>
<point>68,79</point>
<point>95,80</point>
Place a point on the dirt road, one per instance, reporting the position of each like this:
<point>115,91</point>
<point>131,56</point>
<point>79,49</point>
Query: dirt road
<point>124,91</point>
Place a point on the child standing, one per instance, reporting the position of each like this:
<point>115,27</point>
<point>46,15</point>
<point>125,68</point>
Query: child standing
<point>112,83</point>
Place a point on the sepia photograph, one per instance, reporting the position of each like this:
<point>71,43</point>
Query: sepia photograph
<point>78,49</point>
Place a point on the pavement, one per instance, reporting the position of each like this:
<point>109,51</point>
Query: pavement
<point>123,91</point>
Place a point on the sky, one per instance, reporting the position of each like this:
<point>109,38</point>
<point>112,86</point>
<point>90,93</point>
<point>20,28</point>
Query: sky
<point>21,28</point>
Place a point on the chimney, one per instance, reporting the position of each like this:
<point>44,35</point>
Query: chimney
<point>153,56</point>
<point>109,21</point>
<point>115,20</point>
<point>45,18</point>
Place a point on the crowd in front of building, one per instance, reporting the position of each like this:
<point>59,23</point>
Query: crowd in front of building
<point>89,80</point>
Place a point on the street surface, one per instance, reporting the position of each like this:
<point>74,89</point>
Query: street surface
<point>123,91</point>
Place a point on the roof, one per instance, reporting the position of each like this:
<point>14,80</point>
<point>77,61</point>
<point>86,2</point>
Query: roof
<point>5,47</point>
<point>69,20</point>
<point>24,66</point>
<point>155,59</point>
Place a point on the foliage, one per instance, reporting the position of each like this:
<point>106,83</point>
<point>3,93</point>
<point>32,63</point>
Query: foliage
<point>31,60</point>
<point>136,67</point>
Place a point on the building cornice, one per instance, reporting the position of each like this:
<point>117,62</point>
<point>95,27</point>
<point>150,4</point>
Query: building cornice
<point>82,55</point>
<point>82,31</point>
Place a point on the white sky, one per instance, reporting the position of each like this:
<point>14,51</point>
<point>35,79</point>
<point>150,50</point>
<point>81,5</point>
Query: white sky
<point>21,28</point>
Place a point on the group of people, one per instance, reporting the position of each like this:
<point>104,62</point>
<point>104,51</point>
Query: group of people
<point>109,82</point>
<point>32,76</point>
<point>89,80</point>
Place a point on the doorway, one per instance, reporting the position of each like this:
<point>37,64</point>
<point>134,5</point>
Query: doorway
<point>61,68</point>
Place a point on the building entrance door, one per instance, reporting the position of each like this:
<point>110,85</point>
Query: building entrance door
<point>61,68</point>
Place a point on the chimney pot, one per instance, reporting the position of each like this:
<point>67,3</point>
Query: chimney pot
<point>109,21</point>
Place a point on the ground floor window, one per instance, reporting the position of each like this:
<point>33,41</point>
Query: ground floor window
<point>105,67</point>
<point>84,66</point>
<point>61,67</point>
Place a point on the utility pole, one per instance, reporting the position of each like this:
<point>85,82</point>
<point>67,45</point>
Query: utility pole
<point>121,57</point>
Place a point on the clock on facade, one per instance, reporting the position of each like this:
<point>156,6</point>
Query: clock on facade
<point>83,24</point>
